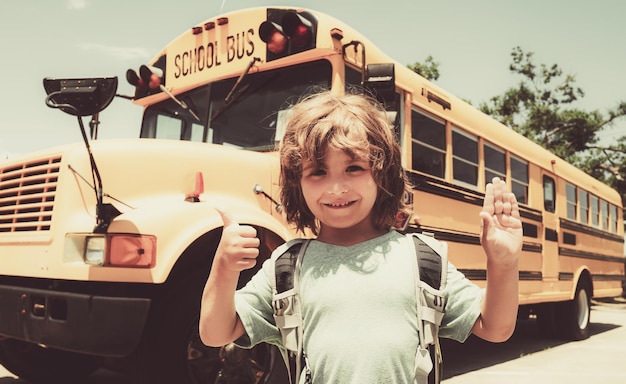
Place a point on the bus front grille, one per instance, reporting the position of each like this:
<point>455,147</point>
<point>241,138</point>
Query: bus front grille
<point>27,194</point>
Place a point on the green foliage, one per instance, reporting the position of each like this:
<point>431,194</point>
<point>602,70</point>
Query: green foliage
<point>540,108</point>
<point>429,69</point>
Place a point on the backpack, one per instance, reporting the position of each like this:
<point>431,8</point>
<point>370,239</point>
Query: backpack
<point>430,270</point>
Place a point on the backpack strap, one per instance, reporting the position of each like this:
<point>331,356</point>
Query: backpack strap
<point>287,260</point>
<point>430,265</point>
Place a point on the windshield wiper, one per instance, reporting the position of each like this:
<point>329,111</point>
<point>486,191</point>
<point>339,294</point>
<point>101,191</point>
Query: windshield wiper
<point>230,99</point>
<point>180,103</point>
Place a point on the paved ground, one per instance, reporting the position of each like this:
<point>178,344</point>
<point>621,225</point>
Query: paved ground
<point>529,358</point>
<point>525,358</point>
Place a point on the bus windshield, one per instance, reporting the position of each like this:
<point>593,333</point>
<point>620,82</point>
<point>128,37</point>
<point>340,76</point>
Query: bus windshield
<point>249,120</point>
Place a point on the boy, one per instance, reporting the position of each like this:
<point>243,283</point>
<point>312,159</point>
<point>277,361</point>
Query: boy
<point>341,178</point>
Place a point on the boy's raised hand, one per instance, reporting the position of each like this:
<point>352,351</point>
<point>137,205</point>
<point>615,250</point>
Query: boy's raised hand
<point>501,229</point>
<point>239,245</point>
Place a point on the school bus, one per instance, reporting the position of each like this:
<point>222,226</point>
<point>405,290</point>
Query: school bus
<point>105,245</point>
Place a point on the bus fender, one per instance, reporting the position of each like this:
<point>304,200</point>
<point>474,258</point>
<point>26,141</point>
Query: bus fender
<point>582,275</point>
<point>176,226</point>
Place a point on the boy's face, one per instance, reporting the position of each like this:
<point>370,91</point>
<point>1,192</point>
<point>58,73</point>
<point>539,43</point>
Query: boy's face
<point>340,193</point>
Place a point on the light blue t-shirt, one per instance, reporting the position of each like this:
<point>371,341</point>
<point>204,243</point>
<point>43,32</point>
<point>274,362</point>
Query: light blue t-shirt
<point>359,309</point>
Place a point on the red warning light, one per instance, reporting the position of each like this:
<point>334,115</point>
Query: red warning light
<point>151,76</point>
<point>298,28</point>
<point>287,32</point>
<point>148,80</point>
<point>272,34</point>
<point>133,79</point>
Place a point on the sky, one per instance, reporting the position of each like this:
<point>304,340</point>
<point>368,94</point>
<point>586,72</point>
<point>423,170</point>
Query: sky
<point>471,40</point>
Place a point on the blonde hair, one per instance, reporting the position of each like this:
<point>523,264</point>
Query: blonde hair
<point>355,124</point>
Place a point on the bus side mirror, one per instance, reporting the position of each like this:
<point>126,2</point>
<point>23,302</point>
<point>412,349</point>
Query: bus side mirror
<point>80,97</point>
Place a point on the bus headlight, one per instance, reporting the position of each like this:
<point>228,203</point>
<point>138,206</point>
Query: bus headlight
<point>111,249</point>
<point>95,250</point>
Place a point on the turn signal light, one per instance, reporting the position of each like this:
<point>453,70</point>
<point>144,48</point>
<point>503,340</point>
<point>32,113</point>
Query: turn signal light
<point>119,250</point>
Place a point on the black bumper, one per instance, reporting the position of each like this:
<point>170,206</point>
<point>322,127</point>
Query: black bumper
<point>99,325</point>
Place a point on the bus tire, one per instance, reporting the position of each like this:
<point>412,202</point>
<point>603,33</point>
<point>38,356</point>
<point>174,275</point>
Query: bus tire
<point>573,317</point>
<point>171,350</point>
<point>37,364</point>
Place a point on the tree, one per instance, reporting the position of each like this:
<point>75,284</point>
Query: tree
<point>429,69</point>
<point>540,108</point>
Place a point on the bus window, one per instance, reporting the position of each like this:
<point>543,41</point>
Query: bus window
<point>583,197</point>
<point>549,194</point>
<point>613,219</point>
<point>604,211</point>
<point>464,158</point>
<point>168,128</point>
<point>570,194</point>
<point>167,120</point>
<point>495,163</point>
<point>197,133</point>
<point>353,79</point>
<point>595,211</point>
<point>249,120</point>
<point>429,144</point>
<point>519,179</point>
<point>174,128</point>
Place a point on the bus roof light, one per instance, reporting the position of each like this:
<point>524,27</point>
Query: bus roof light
<point>336,33</point>
<point>151,76</point>
<point>133,78</point>
<point>298,28</point>
<point>272,34</point>
<point>149,79</point>
<point>287,32</point>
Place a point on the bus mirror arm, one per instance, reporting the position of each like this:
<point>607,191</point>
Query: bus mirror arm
<point>125,97</point>
<point>84,97</point>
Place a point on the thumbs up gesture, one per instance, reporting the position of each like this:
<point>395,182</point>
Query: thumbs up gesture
<point>239,245</point>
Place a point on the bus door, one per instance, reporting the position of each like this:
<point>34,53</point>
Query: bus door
<point>550,270</point>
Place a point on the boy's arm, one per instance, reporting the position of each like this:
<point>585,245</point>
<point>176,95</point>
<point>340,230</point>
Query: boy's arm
<point>501,238</point>
<point>237,250</point>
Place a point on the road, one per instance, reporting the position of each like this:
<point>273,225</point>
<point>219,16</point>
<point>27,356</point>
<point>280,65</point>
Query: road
<point>529,358</point>
<point>525,358</point>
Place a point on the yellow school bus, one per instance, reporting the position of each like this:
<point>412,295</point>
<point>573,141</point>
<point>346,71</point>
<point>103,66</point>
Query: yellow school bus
<point>105,245</point>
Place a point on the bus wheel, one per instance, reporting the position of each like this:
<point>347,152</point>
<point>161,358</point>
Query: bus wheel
<point>573,316</point>
<point>171,350</point>
<point>37,364</point>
